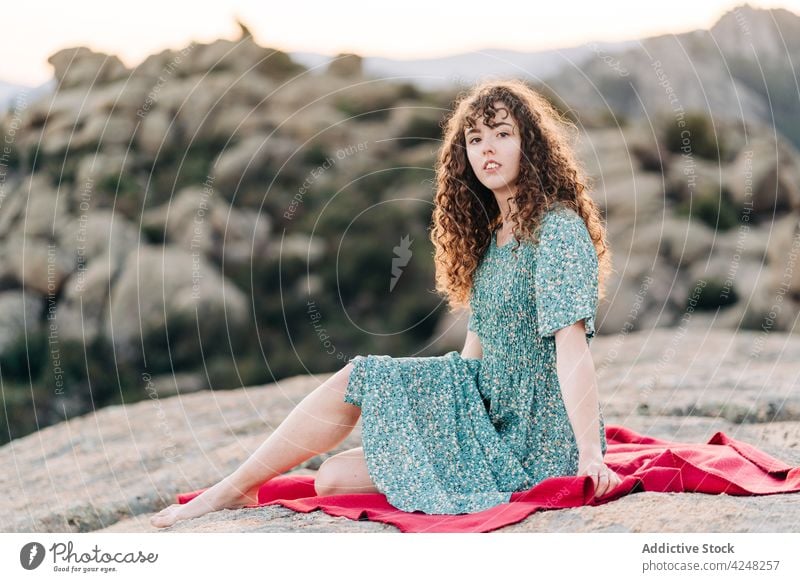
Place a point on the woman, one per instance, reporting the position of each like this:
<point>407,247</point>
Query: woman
<point>519,241</point>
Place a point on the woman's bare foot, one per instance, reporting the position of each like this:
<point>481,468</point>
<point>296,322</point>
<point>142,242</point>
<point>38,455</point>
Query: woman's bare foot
<point>223,495</point>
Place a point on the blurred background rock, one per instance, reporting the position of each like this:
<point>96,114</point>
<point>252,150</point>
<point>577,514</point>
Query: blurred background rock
<point>227,215</point>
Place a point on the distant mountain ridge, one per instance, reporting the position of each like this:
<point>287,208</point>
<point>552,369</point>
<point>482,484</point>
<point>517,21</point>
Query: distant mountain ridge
<point>743,68</point>
<point>9,91</point>
<point>466,68</point>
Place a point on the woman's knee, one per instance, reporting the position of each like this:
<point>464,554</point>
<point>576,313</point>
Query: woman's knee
<point>329,477</point>
<point>344,473</point>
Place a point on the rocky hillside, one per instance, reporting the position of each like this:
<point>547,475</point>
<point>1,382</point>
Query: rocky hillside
<point>220,216</point>
<point>177,221</point>
<point>111,470</point>
<point>742,69</point>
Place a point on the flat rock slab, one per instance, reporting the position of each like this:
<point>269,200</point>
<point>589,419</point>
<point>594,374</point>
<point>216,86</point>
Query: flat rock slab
<point>111,470</point>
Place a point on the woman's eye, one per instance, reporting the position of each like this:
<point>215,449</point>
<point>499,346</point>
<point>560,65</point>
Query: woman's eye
<point>503,133</point>
<point>473,139</point>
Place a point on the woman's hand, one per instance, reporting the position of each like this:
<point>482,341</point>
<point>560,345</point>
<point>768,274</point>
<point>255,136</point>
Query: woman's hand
<point>604,478</point>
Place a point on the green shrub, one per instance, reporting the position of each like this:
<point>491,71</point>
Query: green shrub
<point>248,370</point>
<point>178,167</point>
<point>718,212</point>
<point>121,185</point>
<point>27,351</point>
<point>88,376</point>
<point>696,137</point>
<point>408,90</point>
<point>712,295</point>
<point>647,158</point>
<point>186,339</point>
<point>367,103</point>
<point>423,127</point>
<point>315,155</point>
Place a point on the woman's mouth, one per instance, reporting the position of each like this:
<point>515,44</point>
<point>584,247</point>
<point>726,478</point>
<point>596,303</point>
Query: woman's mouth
<point>491,166</point>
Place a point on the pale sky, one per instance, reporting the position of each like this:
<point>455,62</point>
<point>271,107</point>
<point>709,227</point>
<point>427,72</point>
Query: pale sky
<point>407,28</point>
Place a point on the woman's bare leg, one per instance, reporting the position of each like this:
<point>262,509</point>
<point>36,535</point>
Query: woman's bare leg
<point>345,473</point>
<point>317,424</point>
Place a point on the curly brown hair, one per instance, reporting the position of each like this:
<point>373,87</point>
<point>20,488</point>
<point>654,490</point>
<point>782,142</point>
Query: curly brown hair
<point>466,212</point>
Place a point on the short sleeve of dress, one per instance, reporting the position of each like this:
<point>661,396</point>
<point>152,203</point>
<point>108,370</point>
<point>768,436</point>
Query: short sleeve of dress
<point>566,278</point>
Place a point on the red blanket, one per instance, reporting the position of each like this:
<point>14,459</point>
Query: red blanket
<point>723,465</point>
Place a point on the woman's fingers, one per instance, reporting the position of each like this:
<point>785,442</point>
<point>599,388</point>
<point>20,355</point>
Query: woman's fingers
<point>602,483</point>
<point>606,480</point>
<point>603,477</point>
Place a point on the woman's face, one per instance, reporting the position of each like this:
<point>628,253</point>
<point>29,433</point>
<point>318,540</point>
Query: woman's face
<point>500,143</point>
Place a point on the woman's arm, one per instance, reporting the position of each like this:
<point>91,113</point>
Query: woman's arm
<point>472,346</point>
<point>578,380</point>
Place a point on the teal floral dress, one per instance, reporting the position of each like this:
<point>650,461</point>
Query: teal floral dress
<point>448,434</point>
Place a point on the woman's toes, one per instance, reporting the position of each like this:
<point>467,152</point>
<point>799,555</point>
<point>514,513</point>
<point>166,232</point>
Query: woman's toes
<point>164,518</point>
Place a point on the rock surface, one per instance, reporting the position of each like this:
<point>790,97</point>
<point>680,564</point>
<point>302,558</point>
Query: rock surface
<point>111,470</point>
